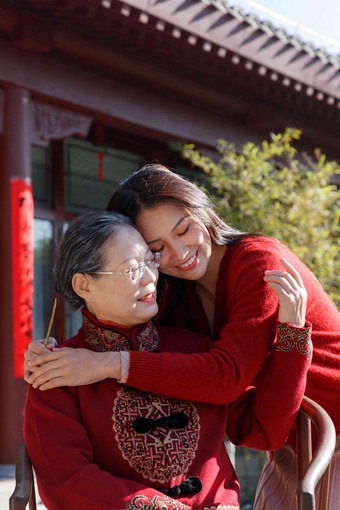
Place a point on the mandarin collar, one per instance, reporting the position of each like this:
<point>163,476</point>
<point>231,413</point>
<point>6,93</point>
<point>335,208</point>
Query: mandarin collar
<point>108,336</point>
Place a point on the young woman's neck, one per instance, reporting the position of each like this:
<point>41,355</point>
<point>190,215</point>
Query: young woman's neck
<point>209,280</point>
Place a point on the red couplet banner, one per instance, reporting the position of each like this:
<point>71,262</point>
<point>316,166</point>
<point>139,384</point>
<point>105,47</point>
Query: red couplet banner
<point>22,210</point>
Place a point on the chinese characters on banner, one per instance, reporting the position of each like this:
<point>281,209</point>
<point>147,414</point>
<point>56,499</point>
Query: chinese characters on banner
<point>22,269</point>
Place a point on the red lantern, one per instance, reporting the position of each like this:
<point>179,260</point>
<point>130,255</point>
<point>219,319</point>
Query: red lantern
<point>22,269</point>
<point>101,157</point>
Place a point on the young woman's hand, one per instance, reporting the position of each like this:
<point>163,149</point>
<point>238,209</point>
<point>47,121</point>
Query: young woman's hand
<point>71,367</point>
<point>34,350</point>
<point>291,293</point>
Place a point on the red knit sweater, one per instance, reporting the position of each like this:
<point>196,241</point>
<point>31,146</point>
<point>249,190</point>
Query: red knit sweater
<point>244,329</point>
<point>88,454</point>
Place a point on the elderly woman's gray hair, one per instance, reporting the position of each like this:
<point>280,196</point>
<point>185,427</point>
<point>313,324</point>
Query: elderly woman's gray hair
<point>81,250</point>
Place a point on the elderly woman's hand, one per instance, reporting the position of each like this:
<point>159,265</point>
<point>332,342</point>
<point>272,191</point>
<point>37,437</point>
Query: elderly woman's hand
<point>291,293</point>
<point>71,367</point>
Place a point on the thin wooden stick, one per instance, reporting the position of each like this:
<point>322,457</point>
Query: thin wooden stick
<point>51,321</point>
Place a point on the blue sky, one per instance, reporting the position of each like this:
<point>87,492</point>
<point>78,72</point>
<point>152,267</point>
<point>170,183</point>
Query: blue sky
<point>311,16</point>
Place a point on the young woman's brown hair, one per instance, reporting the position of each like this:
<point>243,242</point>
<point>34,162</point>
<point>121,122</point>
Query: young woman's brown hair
<point>154,185</point>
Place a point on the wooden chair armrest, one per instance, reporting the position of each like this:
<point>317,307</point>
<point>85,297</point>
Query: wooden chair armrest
<point>24,492</point>
<point>311,469</point>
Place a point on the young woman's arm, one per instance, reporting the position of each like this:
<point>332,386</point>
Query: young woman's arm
<point>263,416</point>
<point>218,376</point>
<point>237,357</point>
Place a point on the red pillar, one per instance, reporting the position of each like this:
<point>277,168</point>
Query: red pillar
<point>15,162</point>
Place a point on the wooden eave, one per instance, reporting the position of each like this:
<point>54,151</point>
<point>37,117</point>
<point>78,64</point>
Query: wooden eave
<point>195,50</point>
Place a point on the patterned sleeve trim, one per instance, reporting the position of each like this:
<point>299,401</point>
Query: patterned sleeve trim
<point>289,337</point>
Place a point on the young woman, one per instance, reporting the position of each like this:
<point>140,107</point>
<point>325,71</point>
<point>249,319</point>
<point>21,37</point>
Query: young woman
<point>214,284</point>
<point>109,446</point>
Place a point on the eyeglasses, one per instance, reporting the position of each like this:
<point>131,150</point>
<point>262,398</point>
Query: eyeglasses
<point>136,272</point>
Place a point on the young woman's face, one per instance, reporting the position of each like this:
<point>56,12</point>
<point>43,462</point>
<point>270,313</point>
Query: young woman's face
<point>118,298</point>
<point>184,243</point>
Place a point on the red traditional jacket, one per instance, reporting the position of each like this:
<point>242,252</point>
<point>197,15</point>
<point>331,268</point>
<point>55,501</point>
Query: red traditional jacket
<point>108,446</point>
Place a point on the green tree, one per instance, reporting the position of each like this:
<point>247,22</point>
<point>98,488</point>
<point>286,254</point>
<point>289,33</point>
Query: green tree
<point>273,189</point>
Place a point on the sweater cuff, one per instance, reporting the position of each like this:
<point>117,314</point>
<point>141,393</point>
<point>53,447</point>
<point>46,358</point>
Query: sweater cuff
<point>290,337</point>
<point>125,365</point>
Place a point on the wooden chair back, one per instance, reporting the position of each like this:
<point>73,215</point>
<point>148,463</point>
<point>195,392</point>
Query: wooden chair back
<point>312,468</point>
<point>24,492</point>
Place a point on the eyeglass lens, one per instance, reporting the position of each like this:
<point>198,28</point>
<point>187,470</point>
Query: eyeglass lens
<point>136,272</point>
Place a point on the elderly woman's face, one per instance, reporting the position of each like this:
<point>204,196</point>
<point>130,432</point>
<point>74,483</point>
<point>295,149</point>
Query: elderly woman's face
<point>118,298</point>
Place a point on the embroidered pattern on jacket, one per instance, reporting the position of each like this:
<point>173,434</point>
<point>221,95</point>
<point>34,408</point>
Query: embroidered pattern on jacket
<point>162,453</point>
<point>147,337</point>
<point>288,338</point>
<point>102,339</point>
<point>141,502</point>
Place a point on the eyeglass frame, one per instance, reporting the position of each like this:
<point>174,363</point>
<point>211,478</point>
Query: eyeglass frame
<point>140,266</point>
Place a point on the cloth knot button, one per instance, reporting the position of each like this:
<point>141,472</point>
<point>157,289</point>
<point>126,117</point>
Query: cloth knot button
<point>174,421</point>
<point>190,486</point>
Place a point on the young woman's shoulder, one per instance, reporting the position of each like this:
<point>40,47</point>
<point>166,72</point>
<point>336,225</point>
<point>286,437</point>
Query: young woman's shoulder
<point>260,243</point>
<point>251,256</point>
<point>257,252</point>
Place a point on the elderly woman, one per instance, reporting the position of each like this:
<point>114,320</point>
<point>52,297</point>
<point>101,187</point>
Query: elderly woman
<point>108,446</point>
